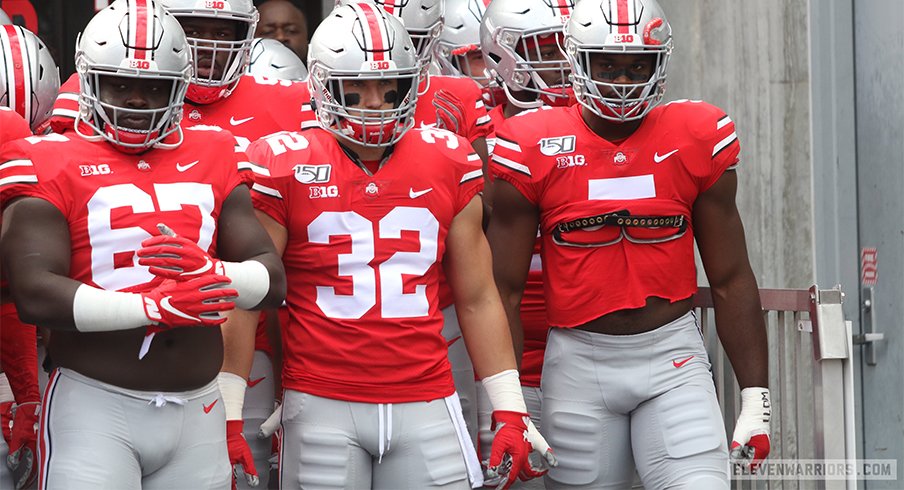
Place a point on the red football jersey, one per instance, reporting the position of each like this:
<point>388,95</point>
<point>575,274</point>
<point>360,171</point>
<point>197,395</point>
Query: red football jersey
<point>559,164</point>
<point>362,260</point>
<point>477,122</point>
<point>12,126</point>
<point>113,201</point>
<point>257,107</point>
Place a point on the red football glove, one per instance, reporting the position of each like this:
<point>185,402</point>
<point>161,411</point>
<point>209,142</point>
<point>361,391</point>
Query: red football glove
<point>450,112</point>
<point>510,451</point>
<point>240,453</point>
<point>23,454</point>
<point>174,257</point>
<point>198,302</point>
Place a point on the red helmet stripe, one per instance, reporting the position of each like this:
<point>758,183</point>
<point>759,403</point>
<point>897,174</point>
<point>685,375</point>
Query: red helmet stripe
<point>140,29</point>
<point>16,72</point>
<point>622,10</point>
<point>564,7</point>
<point>378,43</point>
<point>389,7</point>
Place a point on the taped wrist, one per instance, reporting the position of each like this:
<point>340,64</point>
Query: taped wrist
<point>232,389</point>
<point>99,310</point>
<point>504,391</point>
<point>251,279</point>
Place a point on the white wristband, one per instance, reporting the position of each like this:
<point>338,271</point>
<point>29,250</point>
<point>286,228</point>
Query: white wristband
<point>504,391</point>
<point>99,310</point>
<point>232,389</point>
<point>251,279</point>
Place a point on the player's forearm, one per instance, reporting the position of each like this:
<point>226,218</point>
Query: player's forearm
<point>46,299</point>
<point>260,281</point>
<point>486,334</point>
<point>742,330</point>
<point>511,302</point>
<point>239,334</point>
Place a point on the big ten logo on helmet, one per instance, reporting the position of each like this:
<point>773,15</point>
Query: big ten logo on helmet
<point>215,4</point>
<point>380,65</point>
<point>313,174</point>
<point>89,170</point>
<point>557,146</point>
<point>139,64</point>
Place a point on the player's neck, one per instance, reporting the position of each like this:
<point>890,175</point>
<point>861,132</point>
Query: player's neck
<point>365,153</point>
<point>612,131</point>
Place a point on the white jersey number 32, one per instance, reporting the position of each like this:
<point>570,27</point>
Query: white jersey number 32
<point>356,265</point>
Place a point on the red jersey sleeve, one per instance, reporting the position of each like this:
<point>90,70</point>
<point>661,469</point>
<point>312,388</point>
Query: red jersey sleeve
<point>65,108</point>
<point>240,169</point>
<point>269,189</point>
<point>471,181</point>
<point>509,161</point>
<point>478,121</point>
<point>716,132</point>
<point>20,162</point>
<point>12,126</point>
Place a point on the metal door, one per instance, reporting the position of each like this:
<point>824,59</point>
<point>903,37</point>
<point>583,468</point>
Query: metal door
<point>879,78</point>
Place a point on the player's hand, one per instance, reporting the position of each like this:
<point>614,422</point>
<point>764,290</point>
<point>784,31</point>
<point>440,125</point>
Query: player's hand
<point>510,451</point>
<point>270,426</point>
<point>450,112</point>
<point>174,257</point>
<point>23,455</point>
<point>750,441</point>
<point>545,457</point>
<point>240,453</point>
<point>198,302</point>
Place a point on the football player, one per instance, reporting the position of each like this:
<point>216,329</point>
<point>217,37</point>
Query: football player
<point>621,188</point>
<point>220,94</point>
<point>29,80</point>
<point>456,104</point>
<point>129,226</point>
<point>363,211</point>
<point>520,40</point>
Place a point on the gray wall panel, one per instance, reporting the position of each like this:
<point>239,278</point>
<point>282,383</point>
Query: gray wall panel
<point>751,59</point>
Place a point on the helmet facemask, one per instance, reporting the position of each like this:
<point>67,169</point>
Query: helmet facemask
<point>361,126</point>
<point>107,119</point>
<point>218,63</point>
<point>540,69</point>
<point>618,101</point>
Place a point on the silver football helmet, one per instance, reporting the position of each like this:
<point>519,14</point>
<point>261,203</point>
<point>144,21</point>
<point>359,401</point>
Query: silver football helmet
<point>29,78</point>
<point>375,45</point>
<point>132,40</point>
<point>460,36</point>
<point>210,82</point>
<point>4,19</point>
<point>612,28</point>
<point>518,38</point>
<point>423,19</point>
<point>273,59</point>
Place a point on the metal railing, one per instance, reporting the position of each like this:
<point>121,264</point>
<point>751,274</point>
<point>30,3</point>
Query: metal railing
<point>810,378</point>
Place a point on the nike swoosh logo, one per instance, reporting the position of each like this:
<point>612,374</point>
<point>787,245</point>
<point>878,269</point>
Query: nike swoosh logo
<point>416,194</point>
<point>253,382</point>
<point>682,362</point>
<point>207,408</point>
<point>450,342</point>
<point>183,168</point>
<point>165,304</point>
<point>659,159</point>
<point>236,122</point>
